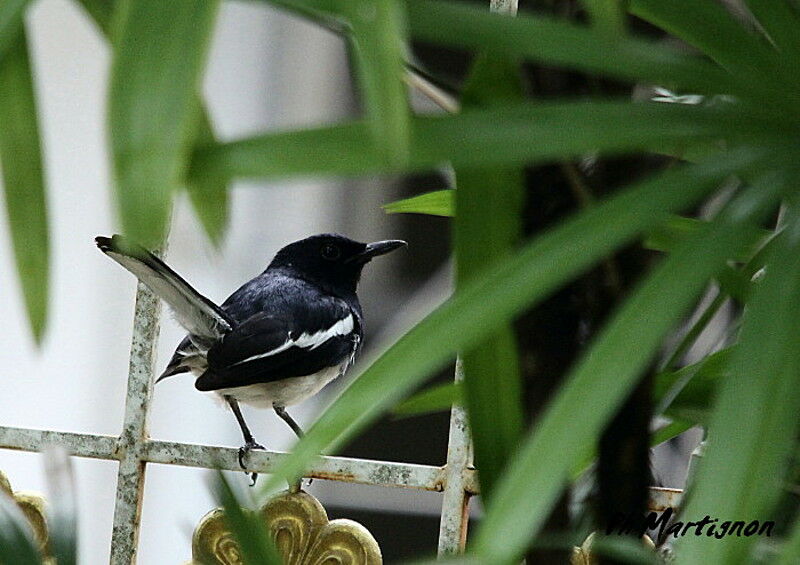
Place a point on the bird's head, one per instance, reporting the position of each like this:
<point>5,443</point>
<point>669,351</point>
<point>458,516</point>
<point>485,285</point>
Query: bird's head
<point>331,260</point>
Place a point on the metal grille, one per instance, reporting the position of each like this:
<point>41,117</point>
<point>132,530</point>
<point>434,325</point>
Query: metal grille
<point>134,450</point>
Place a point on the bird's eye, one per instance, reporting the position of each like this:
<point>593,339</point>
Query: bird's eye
<point>330,252</point>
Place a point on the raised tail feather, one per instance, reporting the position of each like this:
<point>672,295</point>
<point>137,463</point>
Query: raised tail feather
<point>196,313</point>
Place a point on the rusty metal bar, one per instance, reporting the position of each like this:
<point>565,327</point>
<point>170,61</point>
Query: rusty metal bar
<point>361,471</point>
<point>345,469</point>
<point>130,477</point>
<point>662,498</point>
<point>454,519</point>
<point>458,476</point>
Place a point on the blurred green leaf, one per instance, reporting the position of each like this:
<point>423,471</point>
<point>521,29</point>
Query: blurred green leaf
<point>377,34</point>
<point>12,13</point>
<point>687,393</point>
<point>603,377</point>
<point>329,14</point>
<point>61,512</point>
<point>495,79</point>
<point>663,238</point>
<point>697,328</point>
<point>710,27</point>
<point>505,288</point>
<point>564,44</point>
<point>437,203</point>
<point>674,389</point>
<point>487,227</point>
<point>16,537</point>
<point>666,433</point>
<point>24,181</point>
<point>623,549</point>
<point>514,134</point>
<point>607,16</point>
<point>671,430</point>
<point>156,69</point>
<point>790,552</point>
<point>101,11</point>
<point>433,399</point>
<point>209,194</point>
<point>754,422</point>
<point>738,282</point>
<point>248,531</point>
<point>493,396</point>
<point>340,149</point>
<point>674,230</point>
<point>780,20</point>
<point>330,8</point>
<point>694,153</point>
<point>734,281</point>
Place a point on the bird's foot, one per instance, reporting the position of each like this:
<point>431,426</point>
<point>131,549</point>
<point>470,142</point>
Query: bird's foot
<point>247,448</point>
<point>243,452</point>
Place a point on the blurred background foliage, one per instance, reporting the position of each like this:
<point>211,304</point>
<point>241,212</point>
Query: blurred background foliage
<point>609,162</point>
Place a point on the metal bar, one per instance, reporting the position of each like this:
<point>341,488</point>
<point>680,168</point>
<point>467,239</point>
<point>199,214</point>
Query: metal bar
<point>508,7</point>
<point>361,471</point>
<point>455,502</point>
<point>130,478</point>
<point>458,475</point>
<point>345,469</point>
<point>662,498</point>
<point>82,445</point>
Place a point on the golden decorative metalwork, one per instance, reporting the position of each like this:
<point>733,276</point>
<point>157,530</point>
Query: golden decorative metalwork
<point>301,530</point>
<point>33,507</point>
<point>583,555</point>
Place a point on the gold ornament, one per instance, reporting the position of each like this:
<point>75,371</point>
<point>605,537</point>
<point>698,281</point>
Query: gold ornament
<point>583,555</point>
<point>302,532</point>
<point>33,507</point>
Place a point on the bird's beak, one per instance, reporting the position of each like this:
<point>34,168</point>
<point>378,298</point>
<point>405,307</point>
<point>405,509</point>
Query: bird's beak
<point>377,248</point>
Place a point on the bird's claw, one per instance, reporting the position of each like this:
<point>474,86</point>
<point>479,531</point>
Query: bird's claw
<point>243,451</point>
<point>247,448</point>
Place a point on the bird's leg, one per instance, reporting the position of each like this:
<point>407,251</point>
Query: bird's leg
<point>249,441</point>
<point>281,411</point>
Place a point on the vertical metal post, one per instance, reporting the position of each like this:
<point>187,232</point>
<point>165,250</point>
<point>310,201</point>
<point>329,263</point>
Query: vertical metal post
<point>508,7</point>
<point>455,501</point>
<point>130,478</point>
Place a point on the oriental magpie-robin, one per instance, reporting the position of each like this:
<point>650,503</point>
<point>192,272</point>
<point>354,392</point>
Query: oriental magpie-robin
<point>280,337</point>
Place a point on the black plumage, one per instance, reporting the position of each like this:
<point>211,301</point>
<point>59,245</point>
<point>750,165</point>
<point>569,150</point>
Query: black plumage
<point>280,337</point>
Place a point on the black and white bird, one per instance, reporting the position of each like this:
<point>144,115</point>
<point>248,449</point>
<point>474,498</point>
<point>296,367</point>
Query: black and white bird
<point>280,337</point>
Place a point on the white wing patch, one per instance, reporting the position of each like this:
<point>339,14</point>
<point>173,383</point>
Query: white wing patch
<point>306,340</point>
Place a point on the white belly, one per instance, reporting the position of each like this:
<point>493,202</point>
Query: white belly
<point>285,392</point>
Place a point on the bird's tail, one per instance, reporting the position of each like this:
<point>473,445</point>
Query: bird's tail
<point>196,313</point>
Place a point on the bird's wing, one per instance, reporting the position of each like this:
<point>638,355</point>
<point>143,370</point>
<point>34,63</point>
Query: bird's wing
<point>268,347</point>
<point>196,313</point>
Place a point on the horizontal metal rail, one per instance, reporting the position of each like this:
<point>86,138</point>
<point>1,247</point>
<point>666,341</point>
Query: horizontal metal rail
<point>346,469</point>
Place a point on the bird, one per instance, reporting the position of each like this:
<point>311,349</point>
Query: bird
<point>280,337</point>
